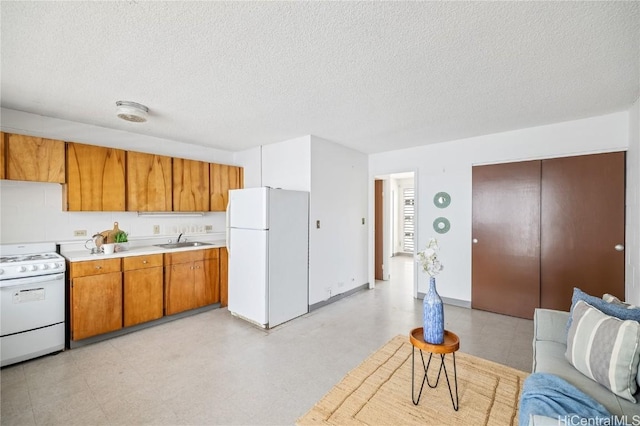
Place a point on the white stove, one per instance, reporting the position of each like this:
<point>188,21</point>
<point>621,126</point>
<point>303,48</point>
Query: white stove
<point>32,301</point>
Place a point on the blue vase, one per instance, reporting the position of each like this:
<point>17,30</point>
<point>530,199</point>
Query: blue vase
<point>433,318</point>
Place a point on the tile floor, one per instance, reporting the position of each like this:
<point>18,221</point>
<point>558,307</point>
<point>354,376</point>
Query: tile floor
<point>213,368</point>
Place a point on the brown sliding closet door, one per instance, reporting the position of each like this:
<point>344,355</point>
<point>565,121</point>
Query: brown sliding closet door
<point>506,238</point>
<point>582,221</point>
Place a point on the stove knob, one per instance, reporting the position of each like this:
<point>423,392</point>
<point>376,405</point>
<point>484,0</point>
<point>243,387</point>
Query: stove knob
<point>44,266</point>
<point>54,265</point>
<point>33,267</point>
<point>21,269</point>
<point>1,271</point>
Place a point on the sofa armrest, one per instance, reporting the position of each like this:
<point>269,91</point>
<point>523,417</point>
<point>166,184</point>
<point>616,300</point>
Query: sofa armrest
<point>549,324</point>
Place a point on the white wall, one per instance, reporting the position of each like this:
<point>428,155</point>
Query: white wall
<point>32,212</point>
<point>287,164</point>
<point>339,200</point>
<point>251,161</point>
<point>447,167</point>
<point>633,208</point>
<point>337,180</point>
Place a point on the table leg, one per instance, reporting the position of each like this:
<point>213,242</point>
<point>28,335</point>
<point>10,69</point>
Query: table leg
<point>413,354</point>
<point>455,404</point>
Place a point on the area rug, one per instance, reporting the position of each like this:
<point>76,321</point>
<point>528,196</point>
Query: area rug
<point>378,392</point>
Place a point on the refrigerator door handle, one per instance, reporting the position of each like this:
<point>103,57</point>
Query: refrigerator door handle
<point>228,236</point>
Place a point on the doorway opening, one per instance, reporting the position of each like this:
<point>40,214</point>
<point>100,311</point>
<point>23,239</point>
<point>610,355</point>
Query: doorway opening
<point>395,223</point>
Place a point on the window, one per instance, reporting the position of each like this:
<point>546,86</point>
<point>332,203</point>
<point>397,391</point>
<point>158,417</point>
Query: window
<point>408,212</point>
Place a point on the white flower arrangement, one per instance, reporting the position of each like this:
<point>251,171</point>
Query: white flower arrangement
<point>428,258</point>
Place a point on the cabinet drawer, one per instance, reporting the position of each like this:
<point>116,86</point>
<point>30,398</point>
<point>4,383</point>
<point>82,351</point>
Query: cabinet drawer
<point>93,267</point>
<point>190,256</point>
<point>141,262</point>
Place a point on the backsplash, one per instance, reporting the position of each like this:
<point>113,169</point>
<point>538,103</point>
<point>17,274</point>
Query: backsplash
<point>32,212</point>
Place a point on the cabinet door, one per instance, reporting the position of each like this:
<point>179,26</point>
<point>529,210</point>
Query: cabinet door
<point>2,155</point>
<point>190,185</point>
<point>224,277</point>
<point>96,305</point>
<point>149,182</point>
<point>143,295</point>
<point>222,179</point>
<point>207,280</point>
<point>583,217</point>
<point>35,159</point>
<point>506,225</point>
<point>179,288</point>
<point>95,178</point>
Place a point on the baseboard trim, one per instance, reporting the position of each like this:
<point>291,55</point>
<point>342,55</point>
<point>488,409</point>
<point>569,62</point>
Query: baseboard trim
<point>337,297</point>
<point>403,253</point>
<point>451,301</point>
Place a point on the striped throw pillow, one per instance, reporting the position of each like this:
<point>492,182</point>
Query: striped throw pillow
<point>605,349</point>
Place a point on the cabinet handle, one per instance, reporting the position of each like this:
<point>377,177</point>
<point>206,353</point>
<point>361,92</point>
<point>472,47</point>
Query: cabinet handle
<point>619,247</point>
<point>98,267</point>
<point>144,262</point>
<point>475,241</point>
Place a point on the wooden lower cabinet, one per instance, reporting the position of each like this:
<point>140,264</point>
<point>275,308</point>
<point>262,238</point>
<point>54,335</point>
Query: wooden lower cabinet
<point>207,280</point>
<point>143,289</point>
<point>96,298</point>
<point>224,277</point>
<point>191,280</point>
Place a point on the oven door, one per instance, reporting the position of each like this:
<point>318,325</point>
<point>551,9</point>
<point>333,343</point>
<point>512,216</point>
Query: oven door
<point>31,303</point>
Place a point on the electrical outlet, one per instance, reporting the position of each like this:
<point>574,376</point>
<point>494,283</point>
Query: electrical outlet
<point>317,224</point>
<point>156,229</point>
<point>80,233</point>
<point>363,220</point>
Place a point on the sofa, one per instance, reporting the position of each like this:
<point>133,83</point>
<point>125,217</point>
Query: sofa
<point>549,347</point>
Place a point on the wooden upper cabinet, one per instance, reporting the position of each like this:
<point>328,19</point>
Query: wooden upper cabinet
<point>95,178</point>
<point>222,179</point>
<point>2,149</point>
<point>149,182</point>
<point>190,185</point>
<point>35,159</point>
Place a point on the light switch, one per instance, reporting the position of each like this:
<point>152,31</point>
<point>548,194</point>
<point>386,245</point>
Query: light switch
<point>317,224</point>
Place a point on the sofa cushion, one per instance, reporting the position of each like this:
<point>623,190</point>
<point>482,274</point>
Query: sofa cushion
<point>609,298</point>
<point>612,309</point>
<point>605,349</point>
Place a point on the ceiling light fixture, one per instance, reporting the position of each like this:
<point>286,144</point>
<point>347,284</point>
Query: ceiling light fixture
<point>132,111</point>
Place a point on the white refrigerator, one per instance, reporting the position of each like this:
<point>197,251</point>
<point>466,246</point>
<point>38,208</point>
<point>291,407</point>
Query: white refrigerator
<point>268,244</point>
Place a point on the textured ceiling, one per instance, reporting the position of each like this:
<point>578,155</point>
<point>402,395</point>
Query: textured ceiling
<point>374,76</point>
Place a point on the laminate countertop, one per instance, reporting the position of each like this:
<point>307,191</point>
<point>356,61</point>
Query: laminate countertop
<point>141,250</point>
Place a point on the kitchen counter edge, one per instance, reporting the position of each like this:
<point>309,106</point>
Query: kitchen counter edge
<point>81,256</point>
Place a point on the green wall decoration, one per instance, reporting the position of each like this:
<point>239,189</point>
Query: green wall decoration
<point>442,200</point>
<point>441,225</point>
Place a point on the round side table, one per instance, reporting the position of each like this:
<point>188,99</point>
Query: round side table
<point>450,345</point>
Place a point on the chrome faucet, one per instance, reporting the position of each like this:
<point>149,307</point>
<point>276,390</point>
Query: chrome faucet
<point>178,240</point>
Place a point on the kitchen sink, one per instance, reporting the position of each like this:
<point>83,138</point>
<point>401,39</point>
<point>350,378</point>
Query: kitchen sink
<point>183,244</point>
